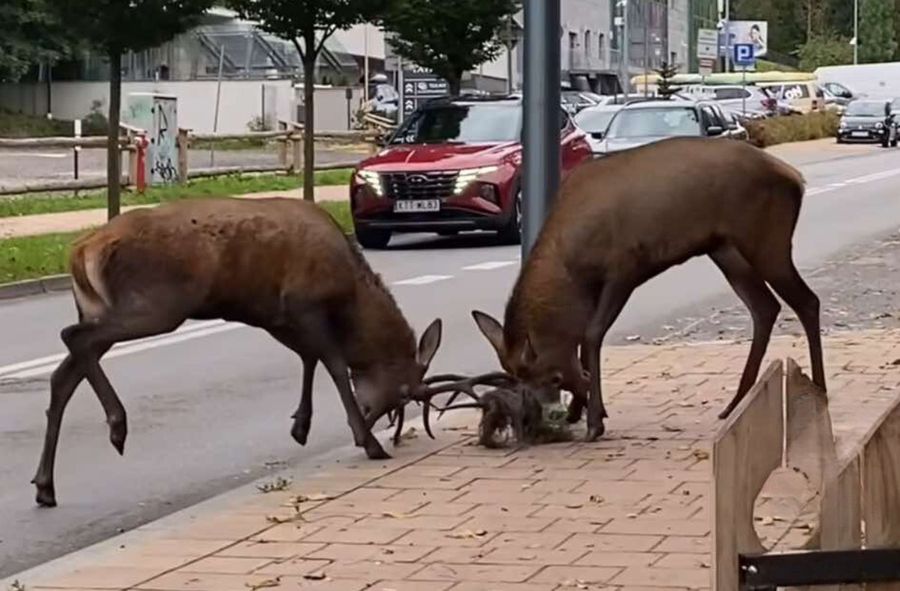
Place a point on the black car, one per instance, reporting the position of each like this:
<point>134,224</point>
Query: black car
<point>869,120</point>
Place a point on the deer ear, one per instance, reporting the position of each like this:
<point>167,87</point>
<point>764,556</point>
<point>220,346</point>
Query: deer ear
<point>429,343</point>
<point>492,331</point>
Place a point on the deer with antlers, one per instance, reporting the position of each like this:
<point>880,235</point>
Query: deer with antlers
<point>619,221</point>
<point>282,265</point>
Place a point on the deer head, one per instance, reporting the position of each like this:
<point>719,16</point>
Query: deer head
<point>546,368</point>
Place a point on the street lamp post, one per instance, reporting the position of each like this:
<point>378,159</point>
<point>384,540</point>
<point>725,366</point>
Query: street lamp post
<point>541,116</point>
<point>855,32</point>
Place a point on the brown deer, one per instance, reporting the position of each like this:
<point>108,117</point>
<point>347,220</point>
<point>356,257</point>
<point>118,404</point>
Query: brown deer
<point>282,265</point>
<point>621,220</point>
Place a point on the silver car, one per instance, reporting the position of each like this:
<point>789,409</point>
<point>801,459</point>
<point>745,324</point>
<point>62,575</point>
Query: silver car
<point>594,122</point>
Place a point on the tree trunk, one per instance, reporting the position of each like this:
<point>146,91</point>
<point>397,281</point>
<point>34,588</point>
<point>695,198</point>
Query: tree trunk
<point>309,148</point>
<point>113,156</point>
<point>455,83</point>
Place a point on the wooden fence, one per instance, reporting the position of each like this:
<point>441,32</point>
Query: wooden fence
<point>289,138</point>
<point>784,423</point>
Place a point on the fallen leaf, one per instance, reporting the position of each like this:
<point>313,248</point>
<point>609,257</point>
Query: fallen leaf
<point>409,434</point>
<point>672,429</point>
<point>320,497</point>
<point>393,515</point>
<point>467,534</point>
<point>275,485</point>
<point>632,338</point>
<point>701,454</point>
<point>264,584</point>
<point>574,506</point>
<point>315,576</point>
<point>632,516</point>
<point>277,520</point>
<point>596,499</point>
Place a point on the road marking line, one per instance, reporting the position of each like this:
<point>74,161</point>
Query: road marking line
<point>489,265</point>
<point>423,280</point>
<point>45,365</point>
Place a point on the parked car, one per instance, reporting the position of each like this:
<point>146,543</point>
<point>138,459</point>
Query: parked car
<point>453,165</point>
<point>650,121</point>
<point>736,98</point>
<point>868,120</point>
<point>805,96</point>
<point>594,121</point>
<point>574,101</point>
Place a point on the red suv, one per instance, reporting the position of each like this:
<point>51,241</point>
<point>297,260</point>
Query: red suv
<point>453,165</point>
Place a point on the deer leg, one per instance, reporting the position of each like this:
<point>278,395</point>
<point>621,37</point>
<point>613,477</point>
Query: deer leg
<point>303,416</point>
<point>787,282</point>
<point>763,306</point>
<point>577,403</point>
<point>612,299</point>
<point>63,382</point>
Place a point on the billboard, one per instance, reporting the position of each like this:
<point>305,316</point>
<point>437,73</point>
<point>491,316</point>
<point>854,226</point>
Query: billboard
<point>755,32</point>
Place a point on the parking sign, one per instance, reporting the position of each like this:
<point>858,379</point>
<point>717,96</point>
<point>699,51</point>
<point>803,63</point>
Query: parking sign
<point>744,55</point>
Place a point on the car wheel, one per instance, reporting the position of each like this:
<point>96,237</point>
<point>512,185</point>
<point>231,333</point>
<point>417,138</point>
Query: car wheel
<point>373,239</point>
<point>512,232</point>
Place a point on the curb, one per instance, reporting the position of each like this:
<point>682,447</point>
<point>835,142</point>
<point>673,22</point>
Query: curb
<point>30,287</point>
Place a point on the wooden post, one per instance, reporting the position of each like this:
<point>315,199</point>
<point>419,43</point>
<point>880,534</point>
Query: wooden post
<point>297,140</point>
<point>881,488</point>
<point>282,145</point>
<point>183,145</point>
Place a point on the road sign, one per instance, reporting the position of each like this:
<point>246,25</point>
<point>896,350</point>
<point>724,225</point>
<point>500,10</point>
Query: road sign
<point>707,43</point>
<point>745,55</point>
<point>420,86</point>
<point>707,65</point>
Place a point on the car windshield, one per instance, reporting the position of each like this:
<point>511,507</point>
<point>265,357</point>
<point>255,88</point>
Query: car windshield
<point>462,124</point>
<point>654,122</point>
<point>594,120</point>
<point>865,109</point>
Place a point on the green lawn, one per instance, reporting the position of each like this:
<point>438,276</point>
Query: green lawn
<point>31,257</point>
<point>212,187</point>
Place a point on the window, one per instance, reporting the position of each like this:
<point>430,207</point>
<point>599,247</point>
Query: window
<point>573,41</point>
<point>648,122</point>
<point>601,48</point>
<point>711,118</point>
<point>464,124</point>
<point>587,44</point>
<point>730,93</point>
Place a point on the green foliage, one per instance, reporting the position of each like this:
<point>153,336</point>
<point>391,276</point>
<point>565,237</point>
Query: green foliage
<point>116,26</point>
<point>793,128</point>
<point>30,33</point>
<point>664,86</point>
<point>825,50</point>
<point>201,188</point>
<point>448,38</point>
<point>876,31</point>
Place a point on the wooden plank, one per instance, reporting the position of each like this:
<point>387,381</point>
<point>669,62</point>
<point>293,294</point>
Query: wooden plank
<point>746,449</point>
<point>57,142</point>
<point>881,488</point>
<point>840,519</point>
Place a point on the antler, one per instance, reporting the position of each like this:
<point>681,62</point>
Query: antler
<point>457,385</point>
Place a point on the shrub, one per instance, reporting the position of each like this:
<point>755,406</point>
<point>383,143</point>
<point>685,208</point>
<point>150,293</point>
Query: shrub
<point>793,128</point>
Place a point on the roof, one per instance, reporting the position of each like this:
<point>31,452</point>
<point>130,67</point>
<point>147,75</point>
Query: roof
<point>655,104</point>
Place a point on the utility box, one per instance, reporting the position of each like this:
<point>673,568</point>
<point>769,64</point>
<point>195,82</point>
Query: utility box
<point>158,115</point>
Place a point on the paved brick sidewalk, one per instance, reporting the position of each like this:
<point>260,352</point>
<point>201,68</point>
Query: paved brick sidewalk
<point>628,512</point>
<point>73,221</point>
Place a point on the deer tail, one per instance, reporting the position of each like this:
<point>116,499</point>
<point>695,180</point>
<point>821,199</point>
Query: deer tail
<point>86,265</point>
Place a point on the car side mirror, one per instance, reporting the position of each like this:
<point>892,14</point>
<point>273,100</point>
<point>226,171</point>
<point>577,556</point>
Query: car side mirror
<point>597,135</point>
<point>887,109</point>
<point>715,130</point>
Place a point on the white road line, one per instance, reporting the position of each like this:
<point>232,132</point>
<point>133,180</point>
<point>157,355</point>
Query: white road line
<point>423,280</point>
<point>45,365</point>
<point>489,265</point>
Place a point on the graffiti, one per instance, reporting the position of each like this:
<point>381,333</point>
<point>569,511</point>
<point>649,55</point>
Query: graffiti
<point>164,170</point>
<point>163,151</point>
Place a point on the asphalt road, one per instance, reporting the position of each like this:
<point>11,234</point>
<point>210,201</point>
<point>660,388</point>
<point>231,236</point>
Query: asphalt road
<point>210,406</point>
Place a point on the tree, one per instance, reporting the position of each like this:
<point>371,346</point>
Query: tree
<point>825,50</point>
<point>877,41</point>
<point>664,86</point>
<point>312,22</point>
<point>31,33</point>
<point>114,27</point>
<point>448,38</point>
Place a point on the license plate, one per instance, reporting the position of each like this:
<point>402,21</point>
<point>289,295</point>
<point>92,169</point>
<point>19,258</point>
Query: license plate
<point>417,205</point>
<point>860,134</point>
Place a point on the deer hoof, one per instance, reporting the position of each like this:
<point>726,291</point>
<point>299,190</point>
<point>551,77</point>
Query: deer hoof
<point>118,432</point>
<point>300,432</point>
<point>46,495</point>
<point>595,432</point>
<point>374,451</point>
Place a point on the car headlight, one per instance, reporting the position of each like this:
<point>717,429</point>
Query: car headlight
<point>373,180</point>
<point>879,125</point>
<point>843,125</point>
<point>468,175</point>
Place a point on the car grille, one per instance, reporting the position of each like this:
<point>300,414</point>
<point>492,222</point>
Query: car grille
<point>419,185</point>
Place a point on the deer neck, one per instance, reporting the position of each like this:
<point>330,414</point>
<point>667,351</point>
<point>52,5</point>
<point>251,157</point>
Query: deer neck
<point>379,335</point>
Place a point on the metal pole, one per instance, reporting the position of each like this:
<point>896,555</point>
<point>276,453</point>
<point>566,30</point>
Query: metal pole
<point>541,116</point>
<point>212,147</point>
<point>509,56</point>
<point>855,32</point>
<point>366,63</point>
<point>728,36</point>
<point>625,45</point>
